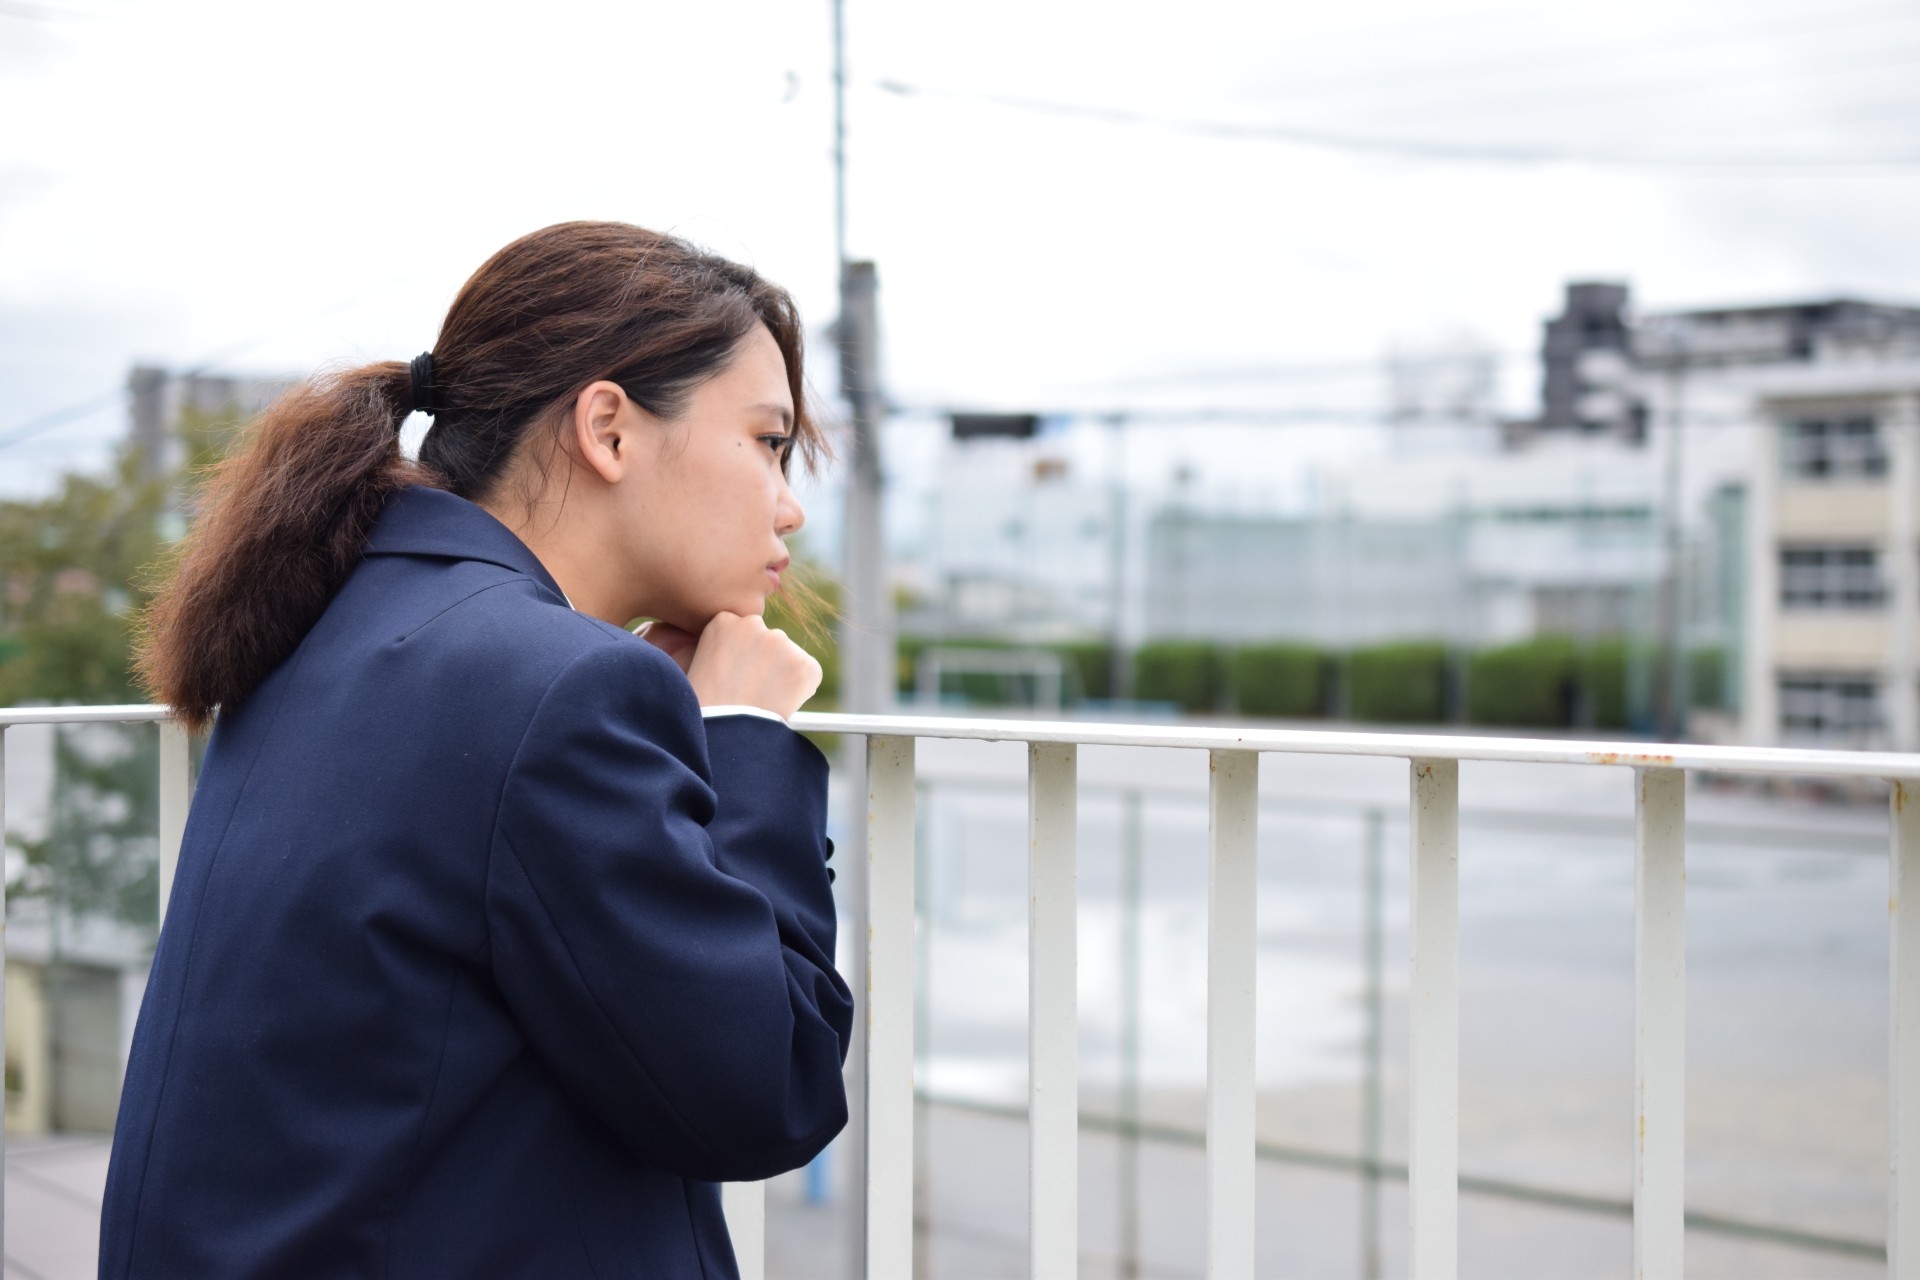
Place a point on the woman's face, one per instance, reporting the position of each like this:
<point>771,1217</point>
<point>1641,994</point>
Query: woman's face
<point>703,504</point>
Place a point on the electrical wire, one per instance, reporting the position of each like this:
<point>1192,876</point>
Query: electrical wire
<point>205,364</point>
<point>1658,87</point>
<point>1333,369</point>
<point>58,417</point>
<point>1421,148</point>
<point>33,12</point>
<point>1227,414</point>
<point>1670,40</point>
<point>1665,43</point>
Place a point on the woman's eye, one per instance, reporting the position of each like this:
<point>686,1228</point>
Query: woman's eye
<point>778,444</point>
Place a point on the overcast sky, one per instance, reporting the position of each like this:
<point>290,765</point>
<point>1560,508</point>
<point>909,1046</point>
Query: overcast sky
<point>293,186</point>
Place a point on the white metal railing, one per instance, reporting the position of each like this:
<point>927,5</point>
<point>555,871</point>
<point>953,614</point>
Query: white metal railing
<point>176,793</point>
<point>1434,997</point>
<point>1434,991</point>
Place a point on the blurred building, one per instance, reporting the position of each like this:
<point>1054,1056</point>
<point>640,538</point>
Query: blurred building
<point>1015,546</point>
<point>1776,432</point>
<point>1585,357</point>
<point>1719,487</point>
<point>1603,366</point>
<point>163,402</point>
<point>1475,551</point>
<point>1833,554</point>
<point>72,992</point>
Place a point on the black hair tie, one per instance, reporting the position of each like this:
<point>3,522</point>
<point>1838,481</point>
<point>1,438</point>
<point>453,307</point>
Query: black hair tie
<point>423,388</point>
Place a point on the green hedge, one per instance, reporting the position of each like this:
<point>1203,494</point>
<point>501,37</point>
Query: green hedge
<point>1398,683</point>
<point>1604,672</point>
<point>1187,673</point>
<point>1708,678</point>
<point>1282,680</point>
<point>1538,684</point>
<point>1523,684</point>
<point>1089,669</point>
<point>1094,665</point>
<point>1542,682</point>
<point>906,656</point>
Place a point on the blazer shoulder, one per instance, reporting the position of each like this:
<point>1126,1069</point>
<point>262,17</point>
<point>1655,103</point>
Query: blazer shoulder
<point>617,680</point>
<point>502,608</point>
<point>492,630</point>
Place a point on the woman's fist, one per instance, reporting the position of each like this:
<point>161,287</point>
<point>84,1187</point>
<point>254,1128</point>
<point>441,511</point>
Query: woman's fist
<point>739,662</point>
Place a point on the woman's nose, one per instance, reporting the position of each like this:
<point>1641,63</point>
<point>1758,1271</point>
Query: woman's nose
<point>789,517</point>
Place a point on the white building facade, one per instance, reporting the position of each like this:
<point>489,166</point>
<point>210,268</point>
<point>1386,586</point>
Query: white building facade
<point>1833,556</point>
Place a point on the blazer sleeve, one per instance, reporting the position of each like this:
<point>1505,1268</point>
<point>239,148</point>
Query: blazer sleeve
<point>665,935</point>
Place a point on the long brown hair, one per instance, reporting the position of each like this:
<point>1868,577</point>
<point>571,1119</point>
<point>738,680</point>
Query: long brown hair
<point>286,519</point>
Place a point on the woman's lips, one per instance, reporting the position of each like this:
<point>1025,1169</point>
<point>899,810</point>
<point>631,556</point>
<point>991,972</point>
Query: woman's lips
<point>776,569</point>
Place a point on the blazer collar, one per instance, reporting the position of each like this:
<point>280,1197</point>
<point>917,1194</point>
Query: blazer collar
<point>419,521</point>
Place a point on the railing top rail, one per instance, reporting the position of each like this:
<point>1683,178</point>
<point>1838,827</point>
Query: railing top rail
<point>128,713</point>
<point>1404,746</point>
<point>1401,746</point>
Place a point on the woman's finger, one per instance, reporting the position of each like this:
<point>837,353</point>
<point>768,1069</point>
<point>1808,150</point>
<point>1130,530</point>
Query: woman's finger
<point>672,641</point>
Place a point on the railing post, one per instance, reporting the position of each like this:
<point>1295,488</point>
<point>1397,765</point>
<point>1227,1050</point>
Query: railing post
<point>3,970</point>
<point>1233,798</point>
<point>744,1205</point>
<point>1903,1039</point>
<point>1660,1023</point>
<point>889,1074</point>
<point>1053,1024</point>
<point>1434,1013</point>
<point>176,797</point>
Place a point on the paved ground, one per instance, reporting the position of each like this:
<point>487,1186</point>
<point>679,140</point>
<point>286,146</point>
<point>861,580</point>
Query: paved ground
<point>53,1206</point>
<point>1310,1221</point>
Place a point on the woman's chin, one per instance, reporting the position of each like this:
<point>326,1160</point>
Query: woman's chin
<point>747,606</point>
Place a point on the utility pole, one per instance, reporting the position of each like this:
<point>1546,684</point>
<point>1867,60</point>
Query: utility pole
<point>866,620</point>
<point>1119,661</point>
<point>866,688</point>
<point>1674,694</point>
<point>866,632</point>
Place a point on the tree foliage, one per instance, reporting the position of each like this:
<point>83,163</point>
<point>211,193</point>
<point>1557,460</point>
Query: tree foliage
<point>73,566</point>
<point>76,569</point>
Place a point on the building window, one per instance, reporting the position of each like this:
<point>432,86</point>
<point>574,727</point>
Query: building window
<point>1829,708</point>
<point>1830,577</point>
<point>1837,448</point>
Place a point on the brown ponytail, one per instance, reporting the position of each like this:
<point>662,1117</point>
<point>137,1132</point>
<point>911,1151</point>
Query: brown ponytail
<point>284,522</point>
<point>282,525</point>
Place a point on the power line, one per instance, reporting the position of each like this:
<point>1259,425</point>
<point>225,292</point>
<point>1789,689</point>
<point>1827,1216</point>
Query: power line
<point>58,417</point>
<point>1658,86</point>
<point>38,12</point>
<point>1671,41</point>
<point>1414,148</point>
<point>1317,371</point>
<point>1227,414</point>
<point>205,364</point>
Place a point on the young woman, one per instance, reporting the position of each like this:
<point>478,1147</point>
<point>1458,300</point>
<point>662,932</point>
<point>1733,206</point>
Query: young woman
<point>499,934</point>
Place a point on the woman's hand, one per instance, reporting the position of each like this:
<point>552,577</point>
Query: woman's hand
<point>670,640</point>
<point>739,662</point>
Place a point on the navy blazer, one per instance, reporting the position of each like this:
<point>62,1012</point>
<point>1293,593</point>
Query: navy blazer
<point>486,956</point>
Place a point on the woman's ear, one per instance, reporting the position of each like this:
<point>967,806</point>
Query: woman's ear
<point>602,432</point>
